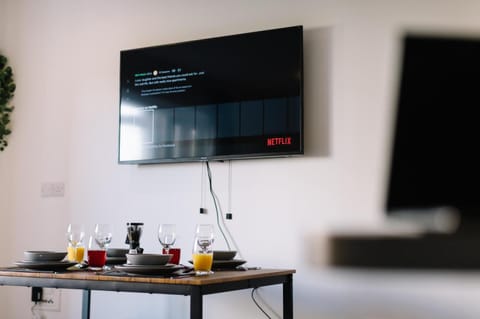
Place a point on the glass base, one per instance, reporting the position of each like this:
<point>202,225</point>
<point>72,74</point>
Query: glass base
<point>203,272</point>
<point>100,268</point>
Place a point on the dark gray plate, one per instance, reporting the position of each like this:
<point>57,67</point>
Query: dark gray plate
<point>45,265</point>
<point>224,254</point>
<point>225,264</point>
<point>117,252</point>
<point>43,255</point>
<point>116,260</point>
<point>149,269</point>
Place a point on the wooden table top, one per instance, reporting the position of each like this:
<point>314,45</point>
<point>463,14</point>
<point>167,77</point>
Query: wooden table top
<point>218,277</point>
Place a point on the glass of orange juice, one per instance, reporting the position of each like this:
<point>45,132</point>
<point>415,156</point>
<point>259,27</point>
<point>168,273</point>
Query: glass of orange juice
<point>202,263</point>
<point>202,250</point>
<point>75,253</point>
<point>75,249</point>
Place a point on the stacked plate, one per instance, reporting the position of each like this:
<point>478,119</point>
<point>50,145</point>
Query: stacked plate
<point>116,256</point>
<point>44,260</point>
<point>148,259</point>
<point>224,259</point>
<point>148,264</point>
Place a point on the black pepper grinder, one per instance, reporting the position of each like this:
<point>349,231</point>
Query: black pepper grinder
<point>134,232</point>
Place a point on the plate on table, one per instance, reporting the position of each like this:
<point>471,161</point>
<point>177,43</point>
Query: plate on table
<point>117,252</point>
<point>116,260</point>
<point>225,264</point>
<point>45,265</point>
<point>224,254</point>
<point>149,269</point>
<point>43,255</point>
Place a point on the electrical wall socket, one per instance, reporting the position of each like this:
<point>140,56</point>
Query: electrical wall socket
<point>50,300</point>
<point>56,189</point>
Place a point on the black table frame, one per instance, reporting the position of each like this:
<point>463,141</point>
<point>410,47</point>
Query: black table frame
<point>196,292</point>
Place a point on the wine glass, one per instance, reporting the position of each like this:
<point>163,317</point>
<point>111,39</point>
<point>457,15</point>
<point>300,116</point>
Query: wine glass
<point>202,253</point>
<point>103,235</point>
<point>166,236</point>
<point>75,235</point>
<point>204,235</point>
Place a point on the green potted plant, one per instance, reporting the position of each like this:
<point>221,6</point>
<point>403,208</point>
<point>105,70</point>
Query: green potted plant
<point>7,87</point>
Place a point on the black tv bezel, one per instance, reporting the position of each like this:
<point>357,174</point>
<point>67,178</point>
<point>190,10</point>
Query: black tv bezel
<point>262,155</point>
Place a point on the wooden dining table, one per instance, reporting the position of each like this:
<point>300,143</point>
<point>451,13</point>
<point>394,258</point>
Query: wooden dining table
<point>194,286</point>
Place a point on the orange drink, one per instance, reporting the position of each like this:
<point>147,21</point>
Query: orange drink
<point>202,261</point>
<point>75,253</point>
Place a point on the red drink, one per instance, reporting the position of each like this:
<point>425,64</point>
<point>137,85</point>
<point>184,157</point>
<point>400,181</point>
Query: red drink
<point>175,252</point>
<point>97,258</point>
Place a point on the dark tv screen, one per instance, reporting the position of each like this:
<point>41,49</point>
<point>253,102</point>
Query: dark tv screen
<point>231,97</point>
<point>435,159</point>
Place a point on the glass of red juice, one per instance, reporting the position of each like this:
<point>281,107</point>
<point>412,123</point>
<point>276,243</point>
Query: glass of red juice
<point>97,258</point>
<point>175,252</point>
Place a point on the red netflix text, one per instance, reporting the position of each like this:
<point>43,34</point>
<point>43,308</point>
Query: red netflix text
<point>274,141</point>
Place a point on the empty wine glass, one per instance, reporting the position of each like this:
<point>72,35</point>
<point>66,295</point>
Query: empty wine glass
<point>103,235</point>
<point>166,236</point>
<point>202,253</point>
<point>204,235</point>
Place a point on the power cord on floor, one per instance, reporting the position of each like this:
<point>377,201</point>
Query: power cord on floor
<point>257,304</point>
<point>35,315</point>
<point>219,216</point>
<point>265,304</point>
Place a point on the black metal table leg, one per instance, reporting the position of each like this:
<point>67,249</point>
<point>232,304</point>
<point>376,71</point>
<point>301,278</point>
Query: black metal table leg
<point>86,304</point>
<point>196,303</point>
<point>288,298</point>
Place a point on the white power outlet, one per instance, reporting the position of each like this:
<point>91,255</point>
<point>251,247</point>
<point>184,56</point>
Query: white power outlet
<point>50,300</point>
<point>52,189</point>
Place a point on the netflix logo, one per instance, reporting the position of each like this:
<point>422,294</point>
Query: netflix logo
<point>276,141</point>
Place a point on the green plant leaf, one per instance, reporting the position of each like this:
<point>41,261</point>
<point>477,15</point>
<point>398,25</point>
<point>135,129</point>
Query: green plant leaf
<point>7,87</point>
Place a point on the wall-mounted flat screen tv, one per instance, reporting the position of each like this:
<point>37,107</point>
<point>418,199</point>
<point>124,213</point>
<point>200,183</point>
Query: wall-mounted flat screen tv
<point>230,97</point>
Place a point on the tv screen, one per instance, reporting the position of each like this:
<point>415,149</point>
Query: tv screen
<point>230,97</point>
<point>435,160</point>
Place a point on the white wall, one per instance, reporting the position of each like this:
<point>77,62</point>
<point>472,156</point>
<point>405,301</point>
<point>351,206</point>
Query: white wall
<point>66,57</point>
